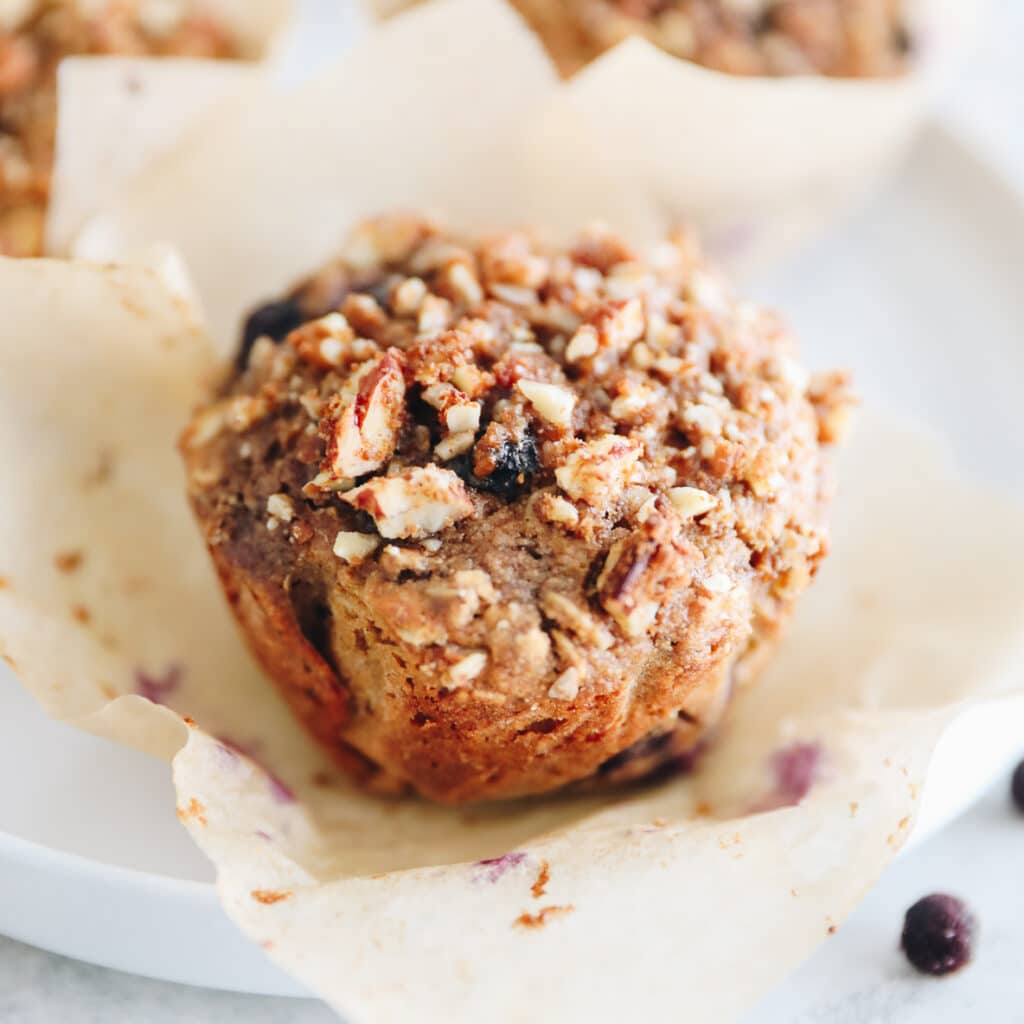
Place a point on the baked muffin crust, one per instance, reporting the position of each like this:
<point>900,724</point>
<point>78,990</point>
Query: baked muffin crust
<point>491,512</point>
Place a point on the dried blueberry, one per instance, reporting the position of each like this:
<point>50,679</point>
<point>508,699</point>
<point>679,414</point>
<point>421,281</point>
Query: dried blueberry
<point>273,320</point>
<point>654,758</point>
<point>938,933</point>
<point>1017,787</point>
<point>517,461</point>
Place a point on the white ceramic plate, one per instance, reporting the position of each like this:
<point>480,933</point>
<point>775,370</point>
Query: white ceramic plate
<point>919,294</point>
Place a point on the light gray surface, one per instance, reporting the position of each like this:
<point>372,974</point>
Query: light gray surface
<point>40,988</point>
<point>979,857</point>
<point>859,977</point>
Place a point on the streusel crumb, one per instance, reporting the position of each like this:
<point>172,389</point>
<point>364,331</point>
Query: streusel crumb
<point>841,38</point>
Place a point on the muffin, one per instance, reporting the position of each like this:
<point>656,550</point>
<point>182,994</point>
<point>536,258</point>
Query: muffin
<point>842,38</point>
<point>35,35</point>
<point>500,517</point>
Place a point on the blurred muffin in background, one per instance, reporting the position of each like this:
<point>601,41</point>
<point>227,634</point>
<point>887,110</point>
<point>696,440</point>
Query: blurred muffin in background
<point>838,38</point>
<point>35,35</point>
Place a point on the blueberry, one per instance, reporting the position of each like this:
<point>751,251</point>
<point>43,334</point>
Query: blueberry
<point>654,758</point>
<point>272,320</point>
<point>1017,787</point>
<point>938,933</point>
<point>517,461</point>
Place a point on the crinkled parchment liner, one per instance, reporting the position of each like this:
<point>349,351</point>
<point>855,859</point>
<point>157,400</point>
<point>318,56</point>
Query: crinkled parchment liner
<point>761,165</point>
<point>119,113</point>
<point>644,903</point>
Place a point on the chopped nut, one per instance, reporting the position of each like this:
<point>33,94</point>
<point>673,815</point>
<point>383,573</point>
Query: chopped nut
<point>717,583</point>
<point>669,366</point>
<point>362,429</point>
<point>459,418</point>
<point>280,506</point>
<point>634,401</point>
<point>598,471</point>
<point>661,335</point>
<point>628,279</point>
<point>568,614</point>
<point>325,342</point>
<point>643,571</point>
<point>354,547</point>
<point>238,414</point>
<point>568,651</point>
<point>555,509</point>
<point>458,412</point>
<point>633,616</point>
<point>427,611</point>
<point>464,285</point>
<point>619,324</point>
<point>467,669</point>
<point>514,295</point>
<point>703,418</point>
<point>437,395</point>
<point>435,315</point>
<point>641,356</point>
<point>471,380</point>
<point>327,482</point>
<point>646,509</point>
<point>708,291</point>
<point>454,445</point>
<point>415,502</point>
<point>518,644</point>
<point>690,501</point>
<point>582,344</point>
<point>792,374</point>
<point>566,686</point>
<point>551,402</point>
<point>386,239</point>
<point>395,560</point>
<point>409,296</point>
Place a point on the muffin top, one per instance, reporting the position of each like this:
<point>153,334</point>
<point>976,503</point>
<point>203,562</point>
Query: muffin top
<point>609,436</point>
<point>842,38</point>
<point>35,35</point>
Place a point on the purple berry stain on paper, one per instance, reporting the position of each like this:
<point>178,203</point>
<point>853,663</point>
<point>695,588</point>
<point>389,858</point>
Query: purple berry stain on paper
<point>279,789</point>
<point>795,769</point>
<point>158,688</point>
<point>495,867</point>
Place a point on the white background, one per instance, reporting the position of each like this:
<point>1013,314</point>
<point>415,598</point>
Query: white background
<point>979,857</point>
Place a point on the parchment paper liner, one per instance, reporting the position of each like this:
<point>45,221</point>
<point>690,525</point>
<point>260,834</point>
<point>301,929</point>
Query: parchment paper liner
<point>116,114</point>
<point>679,897</point>
<point>761,165</point>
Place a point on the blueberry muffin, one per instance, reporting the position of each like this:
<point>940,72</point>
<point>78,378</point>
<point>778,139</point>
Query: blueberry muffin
<point>501,517</point>
<point>842,38</point>
<point>35,35</point>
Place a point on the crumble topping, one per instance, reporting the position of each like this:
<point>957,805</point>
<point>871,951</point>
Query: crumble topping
<point>526,461</point>
<point>842,38</point>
